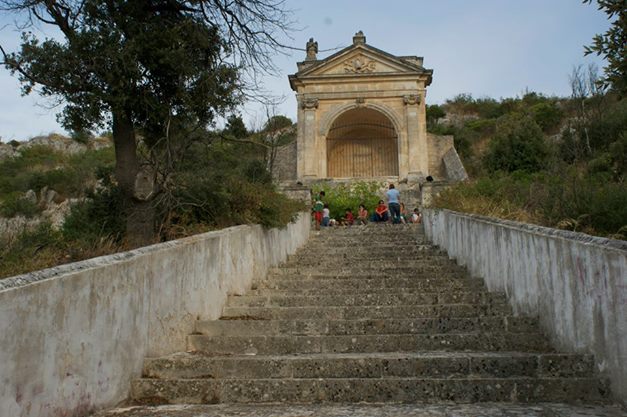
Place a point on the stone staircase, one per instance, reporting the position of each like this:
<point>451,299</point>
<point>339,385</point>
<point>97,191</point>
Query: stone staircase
<point>369,314</point>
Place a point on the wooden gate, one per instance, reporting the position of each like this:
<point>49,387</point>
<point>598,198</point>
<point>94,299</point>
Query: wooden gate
<point>348,158</point>
<point>362,143</point>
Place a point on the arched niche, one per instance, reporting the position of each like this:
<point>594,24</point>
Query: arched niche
<point>362,143</point>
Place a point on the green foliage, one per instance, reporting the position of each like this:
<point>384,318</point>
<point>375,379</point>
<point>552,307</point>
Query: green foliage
<point>341,196</point>
<point>466,104</point>
<point>608,126</point>
<point>39,166</point>
<point>518,145</point>
<point>235,127</point>
<point>80,136</point>
<point>612,45</point>
<point>434,113</point>
<point>277,122</point>
<point>562,198</point>
<point>221,184</point>
<point>547,115</point>
<point>15,204</point>
<point>25,251</point>
<point>100,217</point>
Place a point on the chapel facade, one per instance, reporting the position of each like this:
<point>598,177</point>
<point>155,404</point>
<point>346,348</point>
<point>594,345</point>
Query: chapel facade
<point>361,115</point>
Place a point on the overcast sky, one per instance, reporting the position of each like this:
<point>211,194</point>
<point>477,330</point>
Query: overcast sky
<point>495,48</point>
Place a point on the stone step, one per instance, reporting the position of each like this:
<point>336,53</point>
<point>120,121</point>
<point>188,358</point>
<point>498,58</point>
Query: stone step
<point>411,268</point>
<point>373,299</point>
<point>366,239</point>
<point>385,248</point>
<point>377,365</point>
<point>363,247</point>
<point>359,282</point>
<point>370,261</point>
<point>370,390</point>
<point>244,326</point>
<point>321,256</point>
<point>290,344</point>
<point>369,312</point>
<point>352,233</point>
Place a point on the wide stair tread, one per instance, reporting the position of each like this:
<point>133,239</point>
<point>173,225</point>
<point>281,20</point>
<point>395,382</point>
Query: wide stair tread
<point>369,314</point>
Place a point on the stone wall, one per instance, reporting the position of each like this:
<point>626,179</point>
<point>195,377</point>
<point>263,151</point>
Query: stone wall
<point>74,336</point>
<point>284,169</point>
<point>576,284</point>
<point>438,146</point>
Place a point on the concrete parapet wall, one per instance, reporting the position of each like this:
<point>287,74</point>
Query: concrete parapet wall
<point>73,337</point>
<point>575,283</point>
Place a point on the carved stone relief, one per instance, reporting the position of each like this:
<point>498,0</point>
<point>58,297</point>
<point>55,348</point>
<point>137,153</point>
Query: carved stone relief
<point>359,65</point>
<point>411,99</point>
<point>309,103</point>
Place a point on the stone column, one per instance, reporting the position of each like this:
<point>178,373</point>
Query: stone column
<point>417,144</point>
<point>307,137</point>
<point>422,133</point>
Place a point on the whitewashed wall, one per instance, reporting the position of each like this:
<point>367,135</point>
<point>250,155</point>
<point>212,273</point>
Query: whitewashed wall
<point>73,337</point>
<point>575,283</point>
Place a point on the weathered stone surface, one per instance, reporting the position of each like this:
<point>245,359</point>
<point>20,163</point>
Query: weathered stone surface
<point>575,283</point>
<point>453,166</point>
<point>73,336</point>
<point>361,83</point>
<point>367,410</point>
<point>410,328</point>
<point>369,390</point>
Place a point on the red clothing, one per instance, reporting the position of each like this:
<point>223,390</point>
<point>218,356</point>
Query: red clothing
<point>381,208</point>
<point>350,218</point>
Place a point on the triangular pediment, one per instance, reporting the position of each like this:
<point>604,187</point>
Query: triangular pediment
<point>360,59</point>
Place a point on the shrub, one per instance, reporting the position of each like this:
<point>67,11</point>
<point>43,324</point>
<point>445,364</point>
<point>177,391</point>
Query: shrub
<point>30,250</point>
<point>547,115</point>
<point>341,196</point>
<point>15,204</point>
<point>561,198</point>
<point>518,145</point>
<point>101,216</point>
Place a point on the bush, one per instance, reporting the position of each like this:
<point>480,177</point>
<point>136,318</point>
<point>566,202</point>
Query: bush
<point>100,217</point>
<point>15,204</point>
<point>30,250</point>
<point>561,198</point>
<point>518,145</point>
<point>547,115</point>
<point>39,166</point>
<point>608,128</point>
<point>341,196</point>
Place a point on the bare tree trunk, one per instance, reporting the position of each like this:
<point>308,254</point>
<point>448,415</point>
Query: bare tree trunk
<point>141,214</point>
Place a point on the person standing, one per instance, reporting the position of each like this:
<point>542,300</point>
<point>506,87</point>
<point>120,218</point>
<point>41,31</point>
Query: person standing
<point>317,209</point>
<point>326,216</point>
<point>394,203</point>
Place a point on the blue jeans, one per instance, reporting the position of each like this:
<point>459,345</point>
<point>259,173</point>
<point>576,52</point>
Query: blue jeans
<point>395,211</point>
<point>377,218</point>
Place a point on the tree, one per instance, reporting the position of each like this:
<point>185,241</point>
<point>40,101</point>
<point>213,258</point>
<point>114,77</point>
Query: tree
<point>160,69</point>
<point>434,113</point>
<point>612,45</point>
<point>235,127</point>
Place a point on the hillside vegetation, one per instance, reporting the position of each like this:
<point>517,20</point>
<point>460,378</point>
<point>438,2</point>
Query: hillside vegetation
<point>557,162</point>
<point>220,180</point>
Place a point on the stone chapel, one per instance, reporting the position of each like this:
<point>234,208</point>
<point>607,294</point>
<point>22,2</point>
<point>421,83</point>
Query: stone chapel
<point>361,115</point>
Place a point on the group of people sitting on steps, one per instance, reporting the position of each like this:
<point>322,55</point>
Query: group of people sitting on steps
<point>394,212</point>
